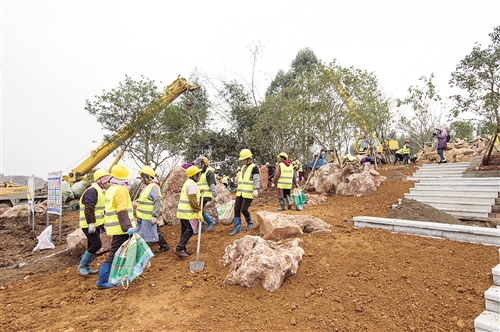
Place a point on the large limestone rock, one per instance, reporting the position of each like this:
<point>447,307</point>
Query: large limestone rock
<point>77,243</point>
<point>454,152</point>
<point>253,261</point>
<point>279,226</point>
<point>352,180</point>
<point>172,192</point>
<point>315,199</point>
<point>21,210</point>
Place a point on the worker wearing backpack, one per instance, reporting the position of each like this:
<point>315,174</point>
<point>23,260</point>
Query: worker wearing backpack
<point>441,136</point>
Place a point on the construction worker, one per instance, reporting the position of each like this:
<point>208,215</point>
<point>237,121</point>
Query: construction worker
<point>209,186</point>
<point>300,170</point>
<point>225,180</point>
<point>403,154</point>
<point>248,189</point>
<point>441,136</point>
<point>92,218</point>
<point>285,179</point>
<point>118,218</point>
<point>188,210</point>
<point>148,209</point>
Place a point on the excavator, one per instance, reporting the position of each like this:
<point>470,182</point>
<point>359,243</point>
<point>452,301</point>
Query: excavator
<point>363,143</point>
<point>172,91</point>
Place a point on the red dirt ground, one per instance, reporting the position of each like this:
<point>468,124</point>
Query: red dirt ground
<point>349,280</point>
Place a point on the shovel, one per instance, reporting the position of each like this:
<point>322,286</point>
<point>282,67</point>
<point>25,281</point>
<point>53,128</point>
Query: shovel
<point>198,265</point>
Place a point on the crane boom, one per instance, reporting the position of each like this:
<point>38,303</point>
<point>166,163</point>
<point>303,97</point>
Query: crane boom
<point>362,143</point>
<point>172,91</point>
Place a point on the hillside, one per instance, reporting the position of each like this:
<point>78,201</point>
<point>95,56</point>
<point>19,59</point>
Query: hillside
<point>349,280</point>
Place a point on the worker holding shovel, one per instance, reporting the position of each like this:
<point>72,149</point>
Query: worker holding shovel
<point>189,210</point>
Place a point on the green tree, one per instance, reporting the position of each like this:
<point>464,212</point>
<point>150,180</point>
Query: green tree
<point>462,129</point>
<point>420,111</point>
<point>136,107</point>
<point>478,74</point>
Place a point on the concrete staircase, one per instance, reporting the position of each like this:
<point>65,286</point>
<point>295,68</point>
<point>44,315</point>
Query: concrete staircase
<point>443,187</point>
<point>489,320</point>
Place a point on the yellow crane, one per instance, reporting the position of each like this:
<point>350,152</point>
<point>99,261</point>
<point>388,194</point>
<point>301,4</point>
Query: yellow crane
<point>172,91</point>
<point>364,142</point>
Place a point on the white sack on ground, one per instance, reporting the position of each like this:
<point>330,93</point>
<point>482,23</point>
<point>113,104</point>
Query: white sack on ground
<point>45,240</point>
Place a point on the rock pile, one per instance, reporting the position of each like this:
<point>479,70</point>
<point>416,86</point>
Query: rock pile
<point>352,180</point>
<point>21,210</point>
<point>279,226</point>
<point>458,152</point>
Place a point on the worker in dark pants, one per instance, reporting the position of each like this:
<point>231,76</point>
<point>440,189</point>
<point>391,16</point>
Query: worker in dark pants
<point>189,210</point>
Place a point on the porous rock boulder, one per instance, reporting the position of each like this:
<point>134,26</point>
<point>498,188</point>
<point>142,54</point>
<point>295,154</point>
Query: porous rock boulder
<point>278,226</point>
<point>253,261</point>
<point>172,192</point>
<point>458,152</point>
<point>352,180</point>
<point>21,210</point>
<point>264,177</point>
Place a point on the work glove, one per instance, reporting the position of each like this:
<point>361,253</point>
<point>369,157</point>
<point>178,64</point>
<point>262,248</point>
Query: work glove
<point>199,215</point>
<point>92,228</point>
<point>154,220</point>
<point>130,231</point>
<point>255,193</point>
<point>272,185</point>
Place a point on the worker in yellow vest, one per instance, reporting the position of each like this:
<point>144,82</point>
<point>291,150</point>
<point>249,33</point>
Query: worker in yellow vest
<point>225,180</point>
<point>189,210</point>
<point>248,189</point>
<point>284,179</point>
<point>92,218</point>
<point>209,186</point>
<point>118,218</point>
<point>300,170</point>
<point>403,154</point>
<point>149,208</point>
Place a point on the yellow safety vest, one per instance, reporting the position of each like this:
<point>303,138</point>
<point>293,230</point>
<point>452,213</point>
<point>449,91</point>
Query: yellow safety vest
<point>184,210</point>
<point>285,180</point>
<point>245,182</point>
<point>203,184</point>
<point>99,207</point>
<point>145,207</point>
<point>111,215</point>
<point>299,166</point>
<point>404,150</point>
<point>225,180</point>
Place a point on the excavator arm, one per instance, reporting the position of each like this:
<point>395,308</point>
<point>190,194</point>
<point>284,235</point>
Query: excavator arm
<point>172,91</point>
<point>364,142</point>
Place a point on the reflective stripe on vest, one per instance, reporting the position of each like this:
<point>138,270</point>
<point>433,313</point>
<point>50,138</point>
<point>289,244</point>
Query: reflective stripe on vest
<point>111,221</point>
<point>203,184</point>
<point>99,208</point>
<point>285,180</point>
<point>404,150</point>
<point>145,206</point>
<point>245,183</point>
<point>184,210</point>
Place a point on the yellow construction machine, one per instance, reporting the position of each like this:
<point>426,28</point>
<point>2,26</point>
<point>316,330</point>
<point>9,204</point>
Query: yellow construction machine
<point>172,91</point>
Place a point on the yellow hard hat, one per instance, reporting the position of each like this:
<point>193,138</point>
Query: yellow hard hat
<point>282,154</point>
<point>245,153</point>
<point>147,170</point>
<point>120,172</point>
<point>100,173</point>
<point>192,170</point>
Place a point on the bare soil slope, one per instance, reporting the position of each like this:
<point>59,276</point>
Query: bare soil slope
<point>349,280</point>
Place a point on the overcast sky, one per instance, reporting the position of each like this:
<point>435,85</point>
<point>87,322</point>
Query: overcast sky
<point>57,54</point>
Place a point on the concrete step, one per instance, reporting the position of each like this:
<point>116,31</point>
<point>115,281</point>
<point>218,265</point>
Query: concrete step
<point>442,191</point>
<point>496,275</point>
<point>492,299</point>
<point>482,181</point>
<point>439,198</point>
<point>487,321</point>
<point>458,206</point>
<point>454,187</point>
<point>437,174</point>
<point>475,234</point>
<point>465,214</point>
<point>446,165</point>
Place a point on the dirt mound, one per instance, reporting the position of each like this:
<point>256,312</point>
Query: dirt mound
<point>396,176</point>
<point>410,209</point>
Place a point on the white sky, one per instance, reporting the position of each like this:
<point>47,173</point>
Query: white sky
<point>57,54</point>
